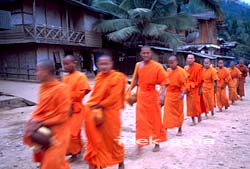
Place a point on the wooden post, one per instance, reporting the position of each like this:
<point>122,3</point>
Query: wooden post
<point>67,23</point>
<point>34,18</point>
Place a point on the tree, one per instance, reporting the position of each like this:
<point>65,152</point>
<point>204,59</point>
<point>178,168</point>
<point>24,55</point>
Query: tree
<point>143,21</point>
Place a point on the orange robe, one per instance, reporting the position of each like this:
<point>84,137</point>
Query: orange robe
<point>208,76</point>
<point>193,85</point>
<point>242,80</point>
<point>103,146</point>
<point>148,111</point>
<point>53,110</point>
<point>232,86</point>
<point>173,107</point>
<point>221,97</point>
<point>79,86</point>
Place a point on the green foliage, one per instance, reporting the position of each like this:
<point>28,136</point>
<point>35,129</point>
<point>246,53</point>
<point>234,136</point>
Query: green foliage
<point>143,21</point>
<point>237,27</point>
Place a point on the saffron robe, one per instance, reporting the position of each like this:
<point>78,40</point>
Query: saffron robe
<point>221,96</point>
<point>193,86</point>
<point>148,110</point>
<point>53,111</point>
<point>232,86</point>
<point>208,76</point>
<point>104,147</point>
<point>173,107</point>
<point>79,87</point>
<point>242,80</point>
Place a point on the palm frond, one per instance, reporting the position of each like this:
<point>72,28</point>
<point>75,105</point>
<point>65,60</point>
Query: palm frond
<point>111,8</point>
<point>153,29</point>
<point>123,34</point>
<point>180,21</point>
<point>171,39</point>
<point>127,5</point>
<point>140,13</point>
<point>107,26</point>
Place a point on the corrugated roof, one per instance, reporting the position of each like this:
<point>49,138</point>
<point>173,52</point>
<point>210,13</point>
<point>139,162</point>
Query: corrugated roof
<point>205,16</point>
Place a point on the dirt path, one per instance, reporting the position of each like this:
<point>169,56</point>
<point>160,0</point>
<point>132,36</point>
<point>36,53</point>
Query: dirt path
<point>221,142</point>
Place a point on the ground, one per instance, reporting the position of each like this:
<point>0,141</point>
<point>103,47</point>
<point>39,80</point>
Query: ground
<point>220,142</point>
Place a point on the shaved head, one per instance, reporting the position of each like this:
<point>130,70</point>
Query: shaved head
<point>105,63</point>
<point>146,47</point>
<point>70,57</point>
<point>221,63</point>
<point>146,53</point>
<point>47,65</point>
<point>105,57</point>
<point>45,70</point>
<point>206,63</point>
<point>69,63</point>
<point>232,64</point>
<point>241,62</point>
<point>172,62</point>
<point>174,58</point>
<point>190,59</point>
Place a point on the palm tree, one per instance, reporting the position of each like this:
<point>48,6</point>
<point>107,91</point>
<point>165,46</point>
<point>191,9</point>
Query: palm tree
<point>143,21</point>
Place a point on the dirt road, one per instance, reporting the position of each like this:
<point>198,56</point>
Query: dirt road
<point>222,141</point>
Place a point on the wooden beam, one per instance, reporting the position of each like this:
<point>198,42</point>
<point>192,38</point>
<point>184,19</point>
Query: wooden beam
<point>67,22</point>
<point>34,17</point>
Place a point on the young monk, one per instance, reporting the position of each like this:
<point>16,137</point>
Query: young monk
<point>148,109</point>
<point>194,71</point>
<point>224,78</point>
<point>241,86</point>
<point>51,111</point>
<point>104,147</point>
<point>209,86</point>
<point>233,83</point>
<point>176,89</point>
<point>79,87</point>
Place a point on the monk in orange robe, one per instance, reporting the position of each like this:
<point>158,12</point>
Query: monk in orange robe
<point>79,87</point>
<point>104,146</point>
<point>224,78</point>
<point>209,86</point>
<point>149,127</point>
<point>51,111</point>
<point>241,85</point>
<point>233,83</point>
<point>176,89</point>
<point>193,88</point>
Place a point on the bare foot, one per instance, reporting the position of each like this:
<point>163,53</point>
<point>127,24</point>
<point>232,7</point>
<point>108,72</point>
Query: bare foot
<point>121,166</point>
<point>193,124</point>
<point>156,148</point>
<point>137,152</point>
<point>179,134</point>
<point>206,117</point>
<point>199,119</point>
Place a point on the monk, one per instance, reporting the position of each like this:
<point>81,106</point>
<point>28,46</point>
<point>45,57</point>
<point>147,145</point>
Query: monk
<point>149,127</point>
<point>79,87</point>
<point>241,85</point>
<point>224,78</point>
<point>51,111</point>
<point>104,146</point>
<point>193,88</point>
<point>233,83</point>
<point>209,86</point>
<point>176,89</point>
